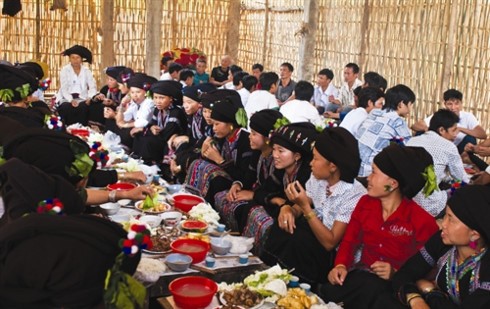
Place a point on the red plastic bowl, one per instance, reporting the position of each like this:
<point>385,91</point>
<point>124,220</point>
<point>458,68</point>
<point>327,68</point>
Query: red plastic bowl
<point>121,186</point>
<point>185,202</point>
<point>193,292</point>
<point>195,248</point>
<point>80,132</point>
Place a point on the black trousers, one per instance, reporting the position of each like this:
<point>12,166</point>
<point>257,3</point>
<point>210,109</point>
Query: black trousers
<point>70,115</point>
<point>360,290</point>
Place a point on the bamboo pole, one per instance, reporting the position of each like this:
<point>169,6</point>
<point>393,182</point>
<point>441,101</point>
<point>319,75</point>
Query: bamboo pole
<point>266,30</point>
<point>364,36</point>
<point>107,55</point>
<point>233,29</point>
<point>450,46</point>
<point>308,37</point>
<point>37,53</point>
<point>153,42</point>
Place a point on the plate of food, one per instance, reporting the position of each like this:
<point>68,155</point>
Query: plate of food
<point>161,241</point>
<point>152,206</point>
<point>241,296</point>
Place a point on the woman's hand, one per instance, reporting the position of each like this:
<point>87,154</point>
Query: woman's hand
<point>125,101</point>
<point>213,154</point>
<point>244,195</point>
<point>425,286</point>
<point>384,270</point>
<point>138,176</point>
<point>155,130</point>
<point>418,303</point>
<point>337,275</point>
<point>99,97</point>
<point>206,144</point>
<point>232,193</point>
<point>286,219</point>
<point>296,193</point>
<point>135,131</point>
<point>138,193</point>
<point>483,151</point>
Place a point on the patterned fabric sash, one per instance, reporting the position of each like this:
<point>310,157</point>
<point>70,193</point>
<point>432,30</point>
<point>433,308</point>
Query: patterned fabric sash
<point>201,173</point>
<point>258,226</point>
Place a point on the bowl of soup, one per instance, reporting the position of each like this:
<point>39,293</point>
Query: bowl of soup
<point>191,292</point>
<point>185,201</point>
<point>195,248</point>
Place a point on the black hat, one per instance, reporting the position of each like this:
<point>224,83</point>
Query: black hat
<point>59,261</point>
<point>142,81</point>
<point>32,68</point>
<point>51,151</point>
<point>80,50</point>
<point>15,84</point>
<point>406,165</point>
<point>471,205</point>
<point>227,107</point>
<point>263,121</point>
<point>297,137</point>
<point>340,147</point>
<point>192,92</point>
<point>23,186</point>
<point>125,75</point>
<point>114,71</point>
<point>169,88</point>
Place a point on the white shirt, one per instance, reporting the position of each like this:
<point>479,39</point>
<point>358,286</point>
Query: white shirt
<point>339,205</point>
<point>83,84</point>
<point>346,95</point>
<point>301,111</point>
<point>352,121</point>
<point>447,162</point>
<point>320,97</point>
<point>140,113</point>
<point>259,100</point>
<point>166,76</point>
<point>244,94</point>
<point>466,120</point>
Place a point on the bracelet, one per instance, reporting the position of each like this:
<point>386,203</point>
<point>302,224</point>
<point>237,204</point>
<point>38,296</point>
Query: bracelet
<point>309,215</point>
<point>112,196</point>
<point>342,265</point>
<point>411,296</point>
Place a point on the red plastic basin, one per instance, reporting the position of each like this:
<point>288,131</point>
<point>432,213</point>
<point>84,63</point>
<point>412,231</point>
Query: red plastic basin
<point>195,248</point>
<point>193,292</point>
<point>121,186</point>
<point>185,201</point>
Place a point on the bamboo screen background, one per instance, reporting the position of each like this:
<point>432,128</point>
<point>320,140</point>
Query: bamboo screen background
<point>429,45</point>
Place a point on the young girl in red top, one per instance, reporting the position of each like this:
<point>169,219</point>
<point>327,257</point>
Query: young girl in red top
<point>386,224</point>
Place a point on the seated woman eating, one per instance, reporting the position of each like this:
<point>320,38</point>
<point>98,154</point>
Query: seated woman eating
<point>307,233</point>
<point>386,224</point>
<point>226,156</point>
<point>452,270</point>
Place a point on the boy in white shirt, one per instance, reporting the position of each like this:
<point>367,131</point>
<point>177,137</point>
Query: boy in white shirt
<point>300,109</point>
<point>368,99</point>
<point>264,98</point>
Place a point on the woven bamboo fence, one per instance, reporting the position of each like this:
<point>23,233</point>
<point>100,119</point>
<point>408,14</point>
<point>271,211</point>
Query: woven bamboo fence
<point>429,45</point>
<point>190,23</point>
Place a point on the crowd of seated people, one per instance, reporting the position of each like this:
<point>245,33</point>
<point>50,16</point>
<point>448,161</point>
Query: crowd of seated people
<point>330,182</point>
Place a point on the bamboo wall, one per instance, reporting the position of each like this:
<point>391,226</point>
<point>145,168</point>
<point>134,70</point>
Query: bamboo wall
<point>429,45</point>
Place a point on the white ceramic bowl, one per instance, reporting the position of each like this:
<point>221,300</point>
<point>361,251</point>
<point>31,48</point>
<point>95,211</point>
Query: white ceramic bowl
<point>110,208</point>
<point>220,246</point>
<point>121,218</point>
<point>124,202</point>
<point>151,220</point>
<point>171,218</point>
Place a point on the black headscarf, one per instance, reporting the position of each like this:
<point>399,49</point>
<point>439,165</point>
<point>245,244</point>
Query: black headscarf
<point>406,165</point>
<point>142,81</point>
<point>16,84</point>
<point>51,261</point>
<point>471,204</point>
<point>114,71</point>
<point>169,88</point>
<point>23,186</point>
<point>226,105</point>
<point>340,147</point>
<point>263,121</point>
<point>80,50</point>
<point>52,152</point>
<point>297,137</point>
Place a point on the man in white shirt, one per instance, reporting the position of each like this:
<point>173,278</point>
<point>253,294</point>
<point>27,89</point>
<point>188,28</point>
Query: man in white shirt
<point>264,98</point>
<point>325,92</point>
<point>300,109</point>
<point>368,99</point>
<point>438,141</point>
<point>246,87</point>
<point>345,100</point>
<point>469,127</point>
<point>173,72</point>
